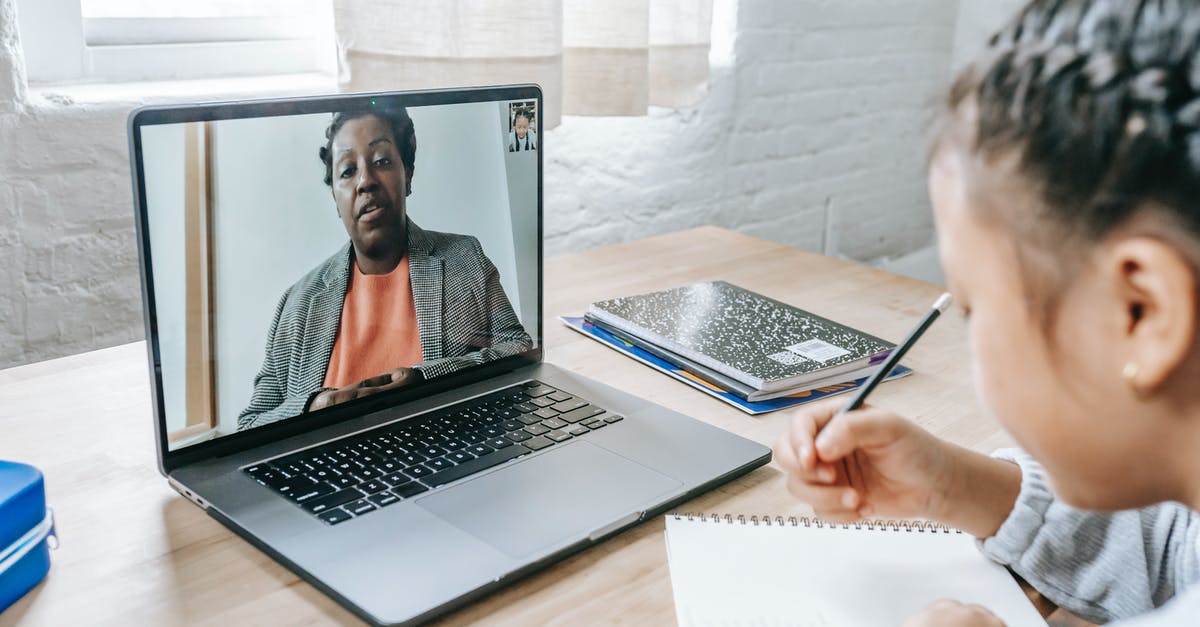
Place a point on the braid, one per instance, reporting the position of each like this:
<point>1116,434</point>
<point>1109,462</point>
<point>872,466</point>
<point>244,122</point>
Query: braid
<point>1100,99</point>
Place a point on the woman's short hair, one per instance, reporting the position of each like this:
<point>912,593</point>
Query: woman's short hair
<point>403,135</point>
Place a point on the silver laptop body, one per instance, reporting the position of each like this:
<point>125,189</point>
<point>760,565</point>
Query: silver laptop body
<point>422,554</point>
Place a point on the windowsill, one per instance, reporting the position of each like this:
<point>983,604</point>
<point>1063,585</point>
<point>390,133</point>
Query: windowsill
<point>151,92</point>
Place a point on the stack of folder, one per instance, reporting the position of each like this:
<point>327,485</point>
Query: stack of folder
<point>754,352</point>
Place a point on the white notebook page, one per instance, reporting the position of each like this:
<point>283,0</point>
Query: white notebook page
<point>735,574</point>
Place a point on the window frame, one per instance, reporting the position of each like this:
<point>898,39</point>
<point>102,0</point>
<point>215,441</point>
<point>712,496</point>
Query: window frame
<point>61,46</point>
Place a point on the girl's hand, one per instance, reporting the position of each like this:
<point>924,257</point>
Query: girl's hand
<point>867,463</point>
<point>871,463</point>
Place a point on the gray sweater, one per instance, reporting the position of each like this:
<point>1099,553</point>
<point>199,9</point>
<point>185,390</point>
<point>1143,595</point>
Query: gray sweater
<point>1140,567</point>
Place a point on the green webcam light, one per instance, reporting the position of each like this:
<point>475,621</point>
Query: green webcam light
<point>372,102</point>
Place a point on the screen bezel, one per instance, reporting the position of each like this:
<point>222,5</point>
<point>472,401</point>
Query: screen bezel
<point>214,111</point>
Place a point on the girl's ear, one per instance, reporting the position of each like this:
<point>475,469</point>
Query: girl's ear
<point>1157,288</point>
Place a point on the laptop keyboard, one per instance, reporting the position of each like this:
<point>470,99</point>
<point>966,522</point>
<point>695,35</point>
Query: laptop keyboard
<point>359,474</point>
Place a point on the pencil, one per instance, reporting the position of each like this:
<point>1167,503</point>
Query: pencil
<point>893,360</point>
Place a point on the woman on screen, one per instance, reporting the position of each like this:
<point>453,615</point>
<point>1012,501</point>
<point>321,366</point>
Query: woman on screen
<point>397,304</point>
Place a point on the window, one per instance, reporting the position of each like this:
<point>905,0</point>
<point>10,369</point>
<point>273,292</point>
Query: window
<point>136,40</point>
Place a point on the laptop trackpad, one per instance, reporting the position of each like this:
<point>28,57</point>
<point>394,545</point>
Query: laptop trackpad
<point>566,493</point>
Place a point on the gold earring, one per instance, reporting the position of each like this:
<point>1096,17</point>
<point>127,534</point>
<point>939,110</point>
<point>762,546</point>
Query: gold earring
<point>1130,373</point>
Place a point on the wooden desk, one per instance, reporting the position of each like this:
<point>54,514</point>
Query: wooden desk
<point>133,551</point>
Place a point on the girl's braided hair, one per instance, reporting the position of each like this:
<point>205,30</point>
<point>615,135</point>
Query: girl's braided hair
<point>1099,103</point>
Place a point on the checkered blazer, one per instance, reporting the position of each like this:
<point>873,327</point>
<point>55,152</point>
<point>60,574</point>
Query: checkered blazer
<point>463,316</point>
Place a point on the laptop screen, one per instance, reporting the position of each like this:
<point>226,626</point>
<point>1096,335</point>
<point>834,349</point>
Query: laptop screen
<point>306,260</point>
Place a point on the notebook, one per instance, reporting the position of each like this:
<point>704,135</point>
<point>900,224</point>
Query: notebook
<point>759,341</point>
<point>738,570</point>
<point>655,361</point>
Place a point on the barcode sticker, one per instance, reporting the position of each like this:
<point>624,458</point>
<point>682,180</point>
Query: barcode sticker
<point>818,350</point>
<point>786,358</point>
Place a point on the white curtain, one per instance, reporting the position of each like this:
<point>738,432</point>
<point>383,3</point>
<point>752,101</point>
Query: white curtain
<point>591,57</point>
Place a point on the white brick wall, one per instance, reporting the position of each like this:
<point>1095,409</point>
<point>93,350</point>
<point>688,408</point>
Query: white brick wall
<point>814,136</point>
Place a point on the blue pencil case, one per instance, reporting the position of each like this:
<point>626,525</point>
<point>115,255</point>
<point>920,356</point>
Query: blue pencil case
<point>26,531</point>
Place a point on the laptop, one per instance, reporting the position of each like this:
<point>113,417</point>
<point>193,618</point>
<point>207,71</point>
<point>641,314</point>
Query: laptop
<point>343,303</point>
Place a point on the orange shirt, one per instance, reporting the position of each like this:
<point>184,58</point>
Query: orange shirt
<point>378,332</point>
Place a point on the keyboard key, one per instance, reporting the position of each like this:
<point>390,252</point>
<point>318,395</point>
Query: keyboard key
<point>538,443</point>
<point>473,438</point>
<point>410,459</point>
<point>480,449</point>
<point>395,479</point>
<point>518,436</point>
<point>531,384</point>
<point>383,499</point>
<point>359,507</point>
<point>409,490</point>
<point>554,423</point>
<point>334,516</point>
<point>389,466</point>
<point>611,418</point>
<point>493,431</point>
<point>525,408</point>
<point>440,463</point>
<point>432,451</point>
<point>512,425</point>
<point>499,442</point>
<point>536,429</point>
<point>269,477</point>
<point>293,469</point>
<point>582,413</point>
<point>323,474</point>
<point>373,486</point>
<point>258,469</point>
<point>578,430</point>
<point>597,425</point>
<point>293,485</point>
<point>541,390</point>
<point>558,397</point>
<point>545,412</point>
<point>459,457</point>
<point>558,436</point>
<point>529,419</point>
<point>307,494</point>
<point>418,471</point>
<point>332,501</point>
<point>344,481</point>
<point>543,402</point>
<point>568,405</point>
<point>366,474</point>
<point>475,465</point>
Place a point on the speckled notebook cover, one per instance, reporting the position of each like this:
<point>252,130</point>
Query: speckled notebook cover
<point>754,339</point>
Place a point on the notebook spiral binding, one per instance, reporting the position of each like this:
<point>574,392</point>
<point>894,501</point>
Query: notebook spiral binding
<point>910,526</point>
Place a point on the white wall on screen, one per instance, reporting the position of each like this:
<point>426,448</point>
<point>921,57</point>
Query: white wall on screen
<point>162,147</point>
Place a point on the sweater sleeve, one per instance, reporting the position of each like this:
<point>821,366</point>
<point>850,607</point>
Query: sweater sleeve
<point>1102,566</point>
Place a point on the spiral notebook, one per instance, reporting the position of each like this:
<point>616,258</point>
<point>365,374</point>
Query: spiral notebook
<point>770,572</point>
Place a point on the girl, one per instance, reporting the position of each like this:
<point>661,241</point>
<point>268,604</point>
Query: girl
<point>1065,183</point>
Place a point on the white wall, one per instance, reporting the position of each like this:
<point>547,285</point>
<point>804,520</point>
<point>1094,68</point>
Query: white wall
<point>273,221</point>
<point>813,134</point>
<point>978,20</point>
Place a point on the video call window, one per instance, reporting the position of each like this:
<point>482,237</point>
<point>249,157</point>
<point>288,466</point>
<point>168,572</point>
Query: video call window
<point>522,125</point>
<point>304,261</point>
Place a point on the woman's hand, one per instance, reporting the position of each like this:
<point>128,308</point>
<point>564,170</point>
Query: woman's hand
<point>871,463</point>
<point>397,378</point>
<point>947,613</point>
